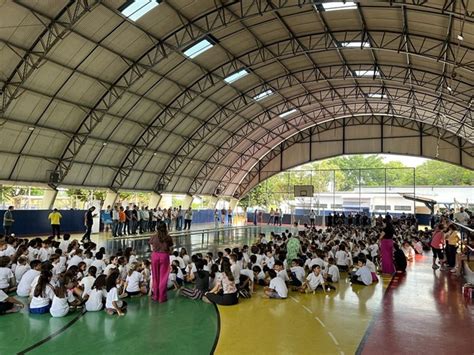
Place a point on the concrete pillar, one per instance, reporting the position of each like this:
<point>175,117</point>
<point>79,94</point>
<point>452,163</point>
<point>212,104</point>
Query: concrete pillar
<point>187,202</point>
<point>49,198</point>
<point>154,200</point>
<point>110,199</point>
<point>165,201</point>
<point>233,203</point>
<point>212,202</point>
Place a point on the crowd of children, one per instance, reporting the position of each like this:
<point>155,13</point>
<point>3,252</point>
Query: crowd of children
<point>60,276</point>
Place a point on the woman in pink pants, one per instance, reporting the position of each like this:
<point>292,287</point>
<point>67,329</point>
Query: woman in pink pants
<point>161,245</point>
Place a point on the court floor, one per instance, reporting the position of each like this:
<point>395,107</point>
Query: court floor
<point>423,311</point>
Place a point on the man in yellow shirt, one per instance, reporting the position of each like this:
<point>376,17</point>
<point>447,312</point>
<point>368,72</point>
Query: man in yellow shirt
<point>55,218</point>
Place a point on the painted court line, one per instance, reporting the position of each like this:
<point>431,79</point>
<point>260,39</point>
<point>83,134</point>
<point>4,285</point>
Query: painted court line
<point>307,309</point>
<point>333,338</point>
<point>294,299</point>
<point>320,321</point>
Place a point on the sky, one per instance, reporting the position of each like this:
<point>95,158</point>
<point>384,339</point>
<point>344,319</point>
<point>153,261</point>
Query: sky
<point>411,162</point>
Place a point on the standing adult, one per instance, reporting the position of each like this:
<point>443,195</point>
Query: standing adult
<point>293,247</point>
<point>55,219</point>
<point>386,247</point>
<point>229,216</point>
<point>135,219</point>
<point>312,219</point>
<point>452,241</point>
<point>8,221</point>
<point>115,221</point>
<point>437,245</point>
<point>128,222</point>
<point>216,218</point>
<point>122,221</point>
<point>180,218</point>
<point>271,219</point>
<point>223,215</point>
<point>188,218</point>
<point>161,244</point>
<point>88,222</point>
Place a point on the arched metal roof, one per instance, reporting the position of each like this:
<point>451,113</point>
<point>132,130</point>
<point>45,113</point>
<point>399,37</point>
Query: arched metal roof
<point>90,97</point>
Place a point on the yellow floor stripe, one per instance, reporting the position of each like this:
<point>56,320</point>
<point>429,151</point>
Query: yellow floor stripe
<point>302,324</point>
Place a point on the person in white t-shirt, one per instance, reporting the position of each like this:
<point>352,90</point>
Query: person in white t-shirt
<point>43,294</point>
<point>134,284</point>
<point>24,286</point>
<point>21,268</point>
<point>332,273</point>
<point>98,263</point>
<point>342,258</point>
<point>87,282</point>
<point>277,288</point>
<point>113,303</point>
<point>362,275</point>
<point>7,279</point>
<point>259,275</point>
<point>281,271</point>
<point>97,295</point>
<point>63,298</point>
<point>297,273</point>
<point>315,280</point>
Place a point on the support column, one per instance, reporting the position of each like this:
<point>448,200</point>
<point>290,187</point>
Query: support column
<point>187,202</point>
<point>49,198</point>
<point>165,201</point>
<point>110,199</point>
<point>212,202</point>
<point>154,200</point>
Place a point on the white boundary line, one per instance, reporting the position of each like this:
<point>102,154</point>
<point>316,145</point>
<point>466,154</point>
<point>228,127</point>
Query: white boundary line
<point>333,338</point>
<point>307,309</point>
<point>320,322</point>
<point>295,299</point>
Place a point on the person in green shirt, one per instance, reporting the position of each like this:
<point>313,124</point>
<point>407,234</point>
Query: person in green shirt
<point>8,221</point>
<point>293,247</point>
<point>55,219</point>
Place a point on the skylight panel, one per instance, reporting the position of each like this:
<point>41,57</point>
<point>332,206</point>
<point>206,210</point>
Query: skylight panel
<point>366,72</point>
<point>236,76</point>
<point>354,44</point>
<point>287,113</point>
<point>263,95</point>
<point>377,96</point>
<point>339,5</point>
<point>198,48</point>
<point>138,8</point>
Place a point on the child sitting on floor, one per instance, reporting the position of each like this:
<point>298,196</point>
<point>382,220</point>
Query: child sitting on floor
<point>113,304</point>
<point>315,281</point>
<point>63,297</point>
<point>7,279</point>
<point>97,294</point>
<point>201,279</point>
<point>362,275</point>
<point>43,294</point>
<point>9,304</point>
<point>277,288</point>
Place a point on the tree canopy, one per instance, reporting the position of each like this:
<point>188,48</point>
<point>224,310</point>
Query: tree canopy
<point>346,172</point>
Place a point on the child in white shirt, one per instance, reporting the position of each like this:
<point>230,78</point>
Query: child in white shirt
<point>21,268</point>
<point>113,303</point>
<point>97,294</point>
<point>25,284</point>
<point>332,274</point>
<point>277,288</point>
<point>7,279</point>
<point>43,294</point>
<point>315,280</point>
<point>297,273</point>
<point>134,284</point>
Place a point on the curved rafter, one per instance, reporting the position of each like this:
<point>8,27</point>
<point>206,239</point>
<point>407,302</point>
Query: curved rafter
<point>433,86</point>
<point>55,31</point>
<point>420,132</point>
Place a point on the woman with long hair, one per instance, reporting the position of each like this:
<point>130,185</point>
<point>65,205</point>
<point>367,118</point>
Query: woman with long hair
<point>225,291</point>
<point>161,245</point>
<point>386,247</point>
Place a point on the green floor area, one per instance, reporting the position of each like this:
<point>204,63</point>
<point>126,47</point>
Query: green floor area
<point>180,326</point>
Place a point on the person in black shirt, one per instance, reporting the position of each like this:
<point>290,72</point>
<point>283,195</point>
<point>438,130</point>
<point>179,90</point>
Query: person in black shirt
<point>88,222</point>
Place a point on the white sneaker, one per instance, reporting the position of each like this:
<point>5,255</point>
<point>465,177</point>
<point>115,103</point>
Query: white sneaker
<point>435,267</point>
<point>454,270</point>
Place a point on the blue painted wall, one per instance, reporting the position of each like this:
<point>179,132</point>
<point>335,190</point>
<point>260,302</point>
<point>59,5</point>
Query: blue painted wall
<point>35,222</point>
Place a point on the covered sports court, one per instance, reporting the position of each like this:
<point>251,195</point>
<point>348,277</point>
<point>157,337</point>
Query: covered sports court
<point>211,98</point>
